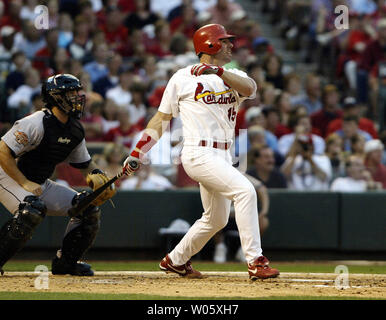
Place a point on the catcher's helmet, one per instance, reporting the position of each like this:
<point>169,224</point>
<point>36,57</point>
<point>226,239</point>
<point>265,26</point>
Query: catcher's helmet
<point>61,90</point>
<point>207,38</point>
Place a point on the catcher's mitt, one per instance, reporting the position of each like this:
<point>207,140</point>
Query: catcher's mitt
<point>95,180</point>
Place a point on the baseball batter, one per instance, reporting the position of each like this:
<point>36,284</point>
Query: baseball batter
<point>29,152</point>
<point>207,97</point>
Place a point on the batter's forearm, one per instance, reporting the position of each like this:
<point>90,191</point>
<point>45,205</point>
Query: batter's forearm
<point>244,86</point>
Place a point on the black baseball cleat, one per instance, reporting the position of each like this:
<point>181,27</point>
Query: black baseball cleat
<point>1,271</point>
<point>82,269</point>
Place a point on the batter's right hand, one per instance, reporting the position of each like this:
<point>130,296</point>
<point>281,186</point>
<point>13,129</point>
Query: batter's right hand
<point>131,164</point>
<point>33,187</point>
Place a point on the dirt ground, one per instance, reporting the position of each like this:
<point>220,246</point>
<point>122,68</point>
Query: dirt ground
<point>215,284</point>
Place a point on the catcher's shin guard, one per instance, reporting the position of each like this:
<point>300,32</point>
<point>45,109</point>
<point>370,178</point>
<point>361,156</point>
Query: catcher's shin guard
<point>76,242</point>
<point>19,229</point>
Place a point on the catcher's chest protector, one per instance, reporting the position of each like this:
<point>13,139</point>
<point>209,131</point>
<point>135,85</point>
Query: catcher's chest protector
<point>58,142</point>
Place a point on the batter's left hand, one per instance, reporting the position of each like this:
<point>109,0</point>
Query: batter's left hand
<point>130,165</point>
<point>204,68</point>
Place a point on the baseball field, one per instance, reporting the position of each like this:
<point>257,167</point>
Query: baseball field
<point>141,280</point>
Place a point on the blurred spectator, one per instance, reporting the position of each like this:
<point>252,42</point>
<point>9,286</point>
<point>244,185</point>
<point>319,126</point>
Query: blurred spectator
<point>334,151</point>
<point>272,65</point>
<point>293,86</point>
<point>16,77</point>
<point>7,47</point>
<point>65,30</point>
<point>357,178</point>
<point>81,45</point>
<point>42,57</point>
<point>114,30</point>
<point>146,179</point>
<point>97,68</point>
<point>27,11</point>
<point>273,123</point>
<point>92,122</point>
<point>12,18</point>
<point>221,12</point>
<point>186,23</point>
<point>373,161</point>
<point>352,108</point>
<point>53,11</point>
<point>114,153</point>
<point>141,17</point>
<point>37,102</point>
<point>304,169</point>
<point>121,94</point>
<point>311,98</point>
<point>110,115</point>
<point>301,126</point>
<point>349,130</point>
<point>124,133</point>
<point>137,108</point>
<point>30,41</point>
<point>91,96</point>
<point>268,94</point>
<point>20,101</point>
<point>263,168</point>
<point>283,105</point>
<point>368,63</point>
<point>112,78</point>
<point>72,176</point>
<point>361,34</point>
<point>358,145</point>
<point>160,44</point>
<point>330,111</point>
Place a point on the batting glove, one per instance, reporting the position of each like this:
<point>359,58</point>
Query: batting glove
<point>203,68</point>
<point>130,165</point>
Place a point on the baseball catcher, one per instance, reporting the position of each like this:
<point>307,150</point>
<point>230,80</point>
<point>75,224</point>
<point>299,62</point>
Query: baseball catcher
<point>29,152</point>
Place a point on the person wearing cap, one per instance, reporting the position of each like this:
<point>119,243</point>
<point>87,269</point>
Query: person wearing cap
<point>330,111</point>
<point>222,11</point>
<point>349,130</point>
<point>352,108</point>
<point>373,160</point>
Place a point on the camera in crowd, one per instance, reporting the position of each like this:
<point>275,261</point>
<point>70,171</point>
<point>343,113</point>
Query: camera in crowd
<point>305,142</point>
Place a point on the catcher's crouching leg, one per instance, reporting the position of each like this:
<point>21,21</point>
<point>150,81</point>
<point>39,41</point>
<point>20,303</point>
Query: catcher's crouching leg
<point>76,242</point>
<point>19,229</point>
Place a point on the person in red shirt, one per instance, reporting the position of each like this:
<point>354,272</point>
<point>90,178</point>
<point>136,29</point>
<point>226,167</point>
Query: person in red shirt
<point>160,45</point>
<point>114,30</point>
<point>373,160</point>
<point>186,23</point>
<point>330,111</point>
<point>124,133</point>
<point>351,108</point>
<point>43,56</point>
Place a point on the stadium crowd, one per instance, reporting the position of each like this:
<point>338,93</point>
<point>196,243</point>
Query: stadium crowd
<point>316,131</point>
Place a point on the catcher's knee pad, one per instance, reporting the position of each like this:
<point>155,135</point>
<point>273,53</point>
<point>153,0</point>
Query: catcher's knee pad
<point>78,240</point>
<point>18,230</point>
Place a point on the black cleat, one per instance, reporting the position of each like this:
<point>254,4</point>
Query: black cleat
<point>1,271</point>
<point>81,269</point>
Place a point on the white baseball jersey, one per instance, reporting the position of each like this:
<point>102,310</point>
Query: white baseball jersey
<point>206,105</point>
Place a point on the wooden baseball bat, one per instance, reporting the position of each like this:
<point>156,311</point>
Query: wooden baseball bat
<point>86,201</point>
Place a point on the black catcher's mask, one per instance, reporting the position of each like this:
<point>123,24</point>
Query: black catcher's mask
<point>62,91</point>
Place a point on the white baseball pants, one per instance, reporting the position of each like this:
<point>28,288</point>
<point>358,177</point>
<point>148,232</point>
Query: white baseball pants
<point>220,184</point>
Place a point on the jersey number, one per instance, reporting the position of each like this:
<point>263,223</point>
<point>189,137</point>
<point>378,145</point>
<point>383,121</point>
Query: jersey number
<point>232,114</point>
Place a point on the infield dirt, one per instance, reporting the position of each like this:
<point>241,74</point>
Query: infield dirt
<point>215,284</point>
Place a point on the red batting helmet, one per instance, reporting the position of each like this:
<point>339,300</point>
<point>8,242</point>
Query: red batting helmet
<point>207,38</point>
